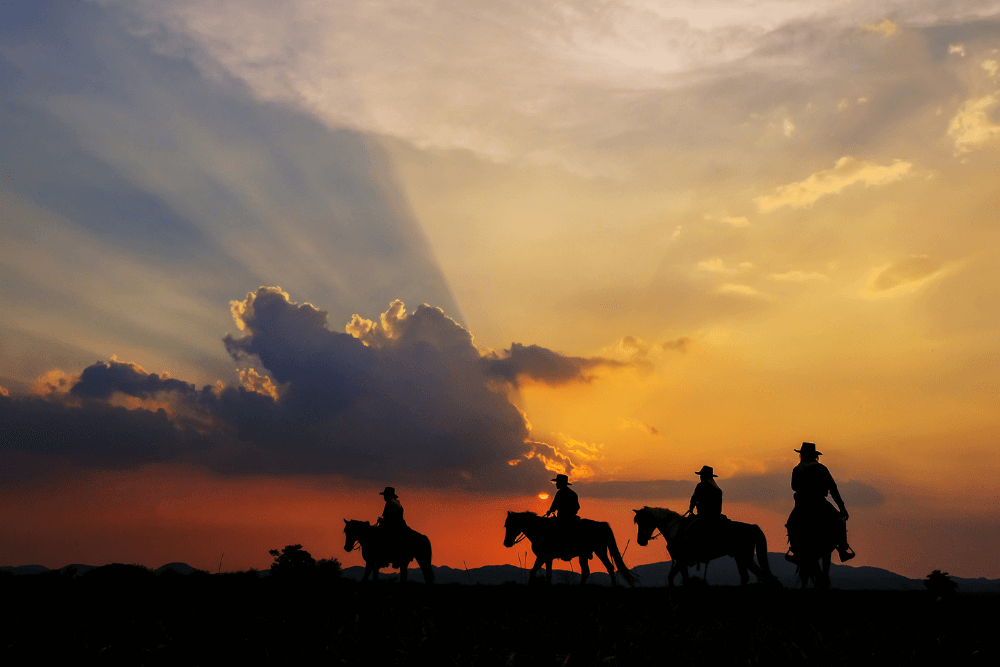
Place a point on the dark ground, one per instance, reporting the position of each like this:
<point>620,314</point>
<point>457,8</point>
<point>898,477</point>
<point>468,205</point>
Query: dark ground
<point>241,619</point>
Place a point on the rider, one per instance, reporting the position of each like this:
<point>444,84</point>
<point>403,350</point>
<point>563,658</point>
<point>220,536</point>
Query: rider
<point>391,523</point>
<point>566,504</point>
<point>707,499</point>
<point>811,482</point>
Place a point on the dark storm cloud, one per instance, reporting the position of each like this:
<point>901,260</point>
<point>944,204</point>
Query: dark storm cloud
<point>407,398</point>
<point>542,365</point>
<point>104,379</point>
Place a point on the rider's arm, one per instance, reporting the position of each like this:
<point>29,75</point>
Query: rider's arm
<point>835,494</point>
<point>552,508</point>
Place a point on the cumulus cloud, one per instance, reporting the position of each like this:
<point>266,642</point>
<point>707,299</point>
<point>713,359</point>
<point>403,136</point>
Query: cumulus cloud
<point>971,127</point>
<point>408,398</point>
<point>846,172</point>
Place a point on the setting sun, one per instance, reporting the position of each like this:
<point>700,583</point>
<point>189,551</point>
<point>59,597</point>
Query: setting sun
<point>543,496</point>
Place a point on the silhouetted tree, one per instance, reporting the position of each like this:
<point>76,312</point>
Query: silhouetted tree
<point>940,584</point>
<point>328,568</point>
<point>292,561</point>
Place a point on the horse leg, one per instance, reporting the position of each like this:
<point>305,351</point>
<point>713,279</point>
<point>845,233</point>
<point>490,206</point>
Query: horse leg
<point>402,572</point>
<point>584,569</point>
<point>609,566</point>
<point>741,565</point>
<point>534,569</point>
<point>826,570</point>
<point>548,571</point>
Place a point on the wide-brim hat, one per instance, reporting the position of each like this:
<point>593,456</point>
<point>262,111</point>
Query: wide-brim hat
<point>808,448</point>
<point>389,492</point>
<point>562,478</point>
<point>706,470</point>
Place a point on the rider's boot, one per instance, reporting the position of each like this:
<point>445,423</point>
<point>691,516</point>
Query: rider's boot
<point>846,553</point>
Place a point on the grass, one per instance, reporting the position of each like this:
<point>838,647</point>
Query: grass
<point>215,619</point>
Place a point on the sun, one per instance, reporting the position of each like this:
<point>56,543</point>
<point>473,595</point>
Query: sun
<point>543,496</point>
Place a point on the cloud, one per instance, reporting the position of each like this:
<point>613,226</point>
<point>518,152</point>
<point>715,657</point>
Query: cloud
<point>846,172</point>
<point>678,345</point>
<point>537,363</point>
<point>626,424</point>
<point>798,276</point>
<point>408,398</point>
<point>971,127</point>
<point>956,49</point>
<point>903,277</point>
<point>713,266</point>
<point>741,290</point>
<point>885,27</point>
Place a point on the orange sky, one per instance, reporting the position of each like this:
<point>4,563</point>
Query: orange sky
<point>648,238</point>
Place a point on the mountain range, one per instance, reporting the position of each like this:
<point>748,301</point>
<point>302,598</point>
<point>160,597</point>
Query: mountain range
<point>721,572</point>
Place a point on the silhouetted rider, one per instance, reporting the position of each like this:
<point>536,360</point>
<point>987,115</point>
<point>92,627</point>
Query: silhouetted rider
<point>707,499</point>
<point>812,482</point>
<point>391,523</point>
<point>566,504</point>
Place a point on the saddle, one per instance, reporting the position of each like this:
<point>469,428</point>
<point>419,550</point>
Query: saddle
<point>568,537</point>
<point>703,538</point>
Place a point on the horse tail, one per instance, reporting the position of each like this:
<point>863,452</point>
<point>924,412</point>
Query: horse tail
<point>616,556</point>
<point>424,559</point>
<point>760,544</point>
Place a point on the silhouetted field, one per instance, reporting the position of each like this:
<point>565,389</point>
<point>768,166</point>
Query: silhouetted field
<point>139,618</point>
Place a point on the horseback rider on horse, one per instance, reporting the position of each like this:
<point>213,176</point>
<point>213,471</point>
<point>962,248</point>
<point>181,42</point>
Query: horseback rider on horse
<point>566,507</point>
<point>391,524</point>
<point>811,482</point>
<point>709,520</point>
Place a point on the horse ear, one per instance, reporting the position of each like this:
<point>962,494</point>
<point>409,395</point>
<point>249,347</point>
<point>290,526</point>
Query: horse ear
<point>636,511</point>
<point>345,520</point>
<point>509,512</point>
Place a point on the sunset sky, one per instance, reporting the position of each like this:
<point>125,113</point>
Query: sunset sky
<point>650,236</point>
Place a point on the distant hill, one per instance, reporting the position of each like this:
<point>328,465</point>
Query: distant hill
<point>721,572</point>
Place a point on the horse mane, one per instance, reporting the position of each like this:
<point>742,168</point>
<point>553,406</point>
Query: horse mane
<point>655,513</point>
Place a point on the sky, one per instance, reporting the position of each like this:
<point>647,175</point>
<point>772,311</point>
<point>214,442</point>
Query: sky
<point>258,265</point>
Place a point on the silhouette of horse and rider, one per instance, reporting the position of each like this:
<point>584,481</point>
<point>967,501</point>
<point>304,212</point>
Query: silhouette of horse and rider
<point>567,536</point>
<point>707,535</point>
<point>390,542</point>
<point>702,534</point>
<point>815,528</point>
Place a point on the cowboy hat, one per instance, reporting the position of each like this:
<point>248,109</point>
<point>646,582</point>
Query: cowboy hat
<point>389,492</point>
<point>808,449</point>
<point>562,478</point>
<point>706,470</point>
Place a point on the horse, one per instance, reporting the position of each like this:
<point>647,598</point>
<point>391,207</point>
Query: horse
<point>813,548</point>
<point>738,540</point>
<point>410,545</point>
<point>547,544</point>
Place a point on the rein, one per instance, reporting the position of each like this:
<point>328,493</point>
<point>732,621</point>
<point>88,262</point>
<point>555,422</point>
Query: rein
<point>520,539</point>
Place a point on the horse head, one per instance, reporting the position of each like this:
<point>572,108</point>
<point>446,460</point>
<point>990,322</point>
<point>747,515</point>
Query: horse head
<point>354,533</point>
<point>649,518</point>
<point>646,524</point>
<point>514,526</point>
